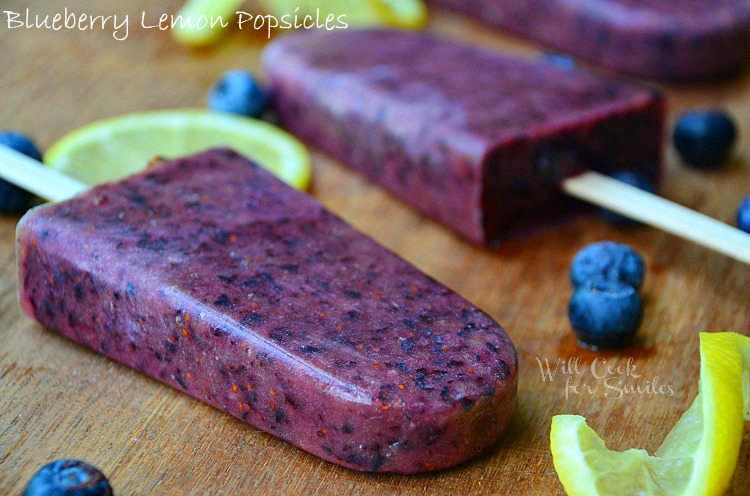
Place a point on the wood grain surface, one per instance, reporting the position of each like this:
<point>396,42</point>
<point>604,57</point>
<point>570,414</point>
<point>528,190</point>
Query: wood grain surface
<point>59,400</point>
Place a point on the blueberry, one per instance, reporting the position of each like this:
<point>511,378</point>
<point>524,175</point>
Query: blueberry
<point>632,178</point>
<point>608,260</point>
<point>12,198</point>
<point>560,60</point>
<point>605,313</point>
<point>68,478</point>
<point>238,92</point>
<point>743,215</point>
<point>20,143</point>
<point>704,138</point>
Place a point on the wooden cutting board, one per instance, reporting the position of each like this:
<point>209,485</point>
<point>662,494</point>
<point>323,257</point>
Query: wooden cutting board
<point>59,400</point>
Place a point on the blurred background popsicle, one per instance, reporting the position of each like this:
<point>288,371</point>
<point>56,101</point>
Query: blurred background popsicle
<point>659,39</point>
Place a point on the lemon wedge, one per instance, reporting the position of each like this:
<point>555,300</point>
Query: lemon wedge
<point>114,148</point>
<point>698,456</point>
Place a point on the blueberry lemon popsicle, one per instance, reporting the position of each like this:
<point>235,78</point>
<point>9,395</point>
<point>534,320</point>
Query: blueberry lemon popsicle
<point>213,277</point>
<point>475,139</point>
<point>661,39</point>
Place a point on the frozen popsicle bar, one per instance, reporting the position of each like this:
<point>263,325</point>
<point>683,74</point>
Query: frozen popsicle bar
<point>475,139</point>
<point>213,277</point>
<point>660,39</point>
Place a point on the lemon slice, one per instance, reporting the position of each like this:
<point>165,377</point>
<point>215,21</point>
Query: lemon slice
<point>410,14</point>
<point>114,148</point>
<point>198,21</point>
<point>698,456</point>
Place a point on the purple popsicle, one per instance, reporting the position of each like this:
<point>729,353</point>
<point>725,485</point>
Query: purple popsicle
<point>660,39</point>
<point>476,140</point>
<point>213,277</point>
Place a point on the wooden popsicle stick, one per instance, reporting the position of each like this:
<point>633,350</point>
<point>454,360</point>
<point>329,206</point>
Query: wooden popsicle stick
<point>663,214</point>
<point>32,176</point>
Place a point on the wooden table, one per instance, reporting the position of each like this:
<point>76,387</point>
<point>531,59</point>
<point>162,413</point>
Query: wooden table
<point>59,400</point>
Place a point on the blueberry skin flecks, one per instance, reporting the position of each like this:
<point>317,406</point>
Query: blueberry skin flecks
<point>238,92</point>
<point>605,313</point>
<point>608,260</point>
<point>704,138</point>
<point>12,198</point>
<point>560,60</point>
<point>743,215</point>
<point>633,178</point>
<point>68,478</point>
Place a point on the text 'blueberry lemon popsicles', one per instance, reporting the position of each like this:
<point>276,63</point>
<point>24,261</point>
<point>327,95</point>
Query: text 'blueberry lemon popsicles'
<point>659,39</point>
<point>212,276</point>
<point>487,144</point>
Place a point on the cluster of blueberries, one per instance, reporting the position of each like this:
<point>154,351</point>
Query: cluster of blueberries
<point>606,309</point>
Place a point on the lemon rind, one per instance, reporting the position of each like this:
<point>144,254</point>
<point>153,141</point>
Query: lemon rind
<point>293,165</point>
